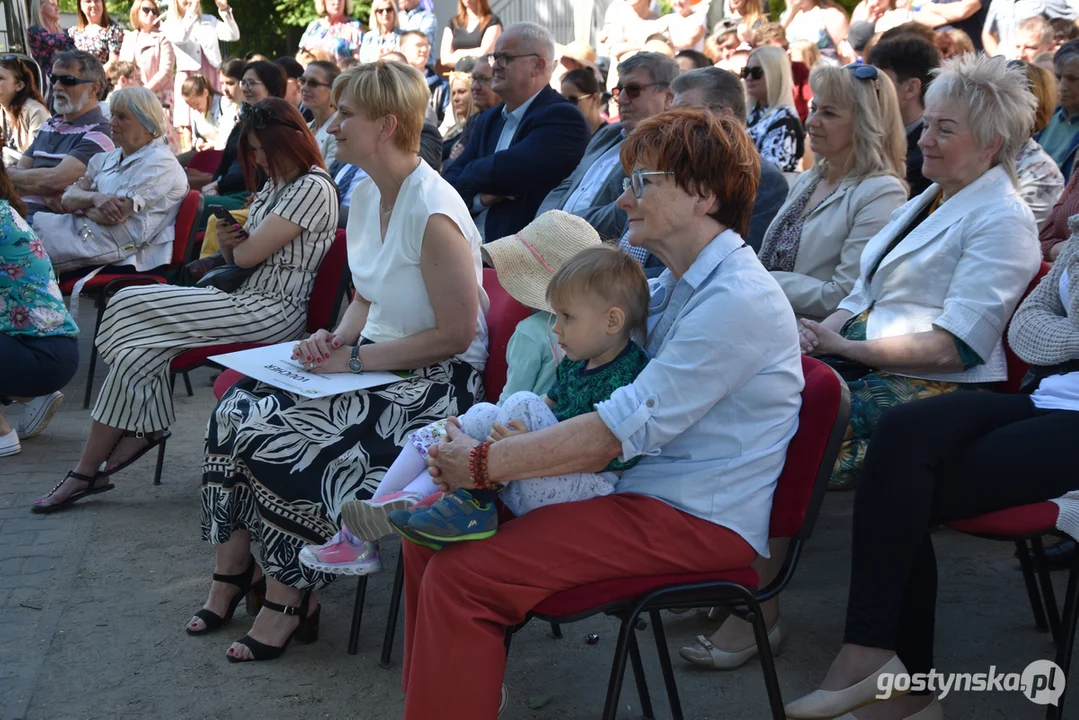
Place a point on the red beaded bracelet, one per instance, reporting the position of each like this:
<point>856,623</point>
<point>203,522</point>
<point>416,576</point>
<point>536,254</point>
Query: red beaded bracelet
<point>477,467</point>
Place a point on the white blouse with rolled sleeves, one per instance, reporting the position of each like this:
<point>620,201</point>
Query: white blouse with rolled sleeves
<point>963,269</point>
<point>714,410</point>
<point>387,272</point>
<point>156,184</point>
<point>193,35</point>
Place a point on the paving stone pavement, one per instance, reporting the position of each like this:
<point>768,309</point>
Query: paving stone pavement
<point>93,603</point>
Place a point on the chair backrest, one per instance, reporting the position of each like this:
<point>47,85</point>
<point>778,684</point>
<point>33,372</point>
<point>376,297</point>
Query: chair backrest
<point>812,452</point>
<point>1017,369</point>
<point>183,245</point>
<point>502,319</point>
<point>205,160</point>
<point>329,285</point>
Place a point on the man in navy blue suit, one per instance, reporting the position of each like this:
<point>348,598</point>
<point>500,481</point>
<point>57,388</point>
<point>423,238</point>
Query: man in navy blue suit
<point>521,149</point>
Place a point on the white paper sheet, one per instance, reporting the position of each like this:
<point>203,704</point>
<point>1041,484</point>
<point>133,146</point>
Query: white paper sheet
<point>273,364</point>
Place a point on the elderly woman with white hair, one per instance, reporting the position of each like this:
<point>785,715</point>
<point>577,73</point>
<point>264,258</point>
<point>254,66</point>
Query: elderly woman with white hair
<point>956,455</point>
<point>122,211</point>
<point>772,121</point>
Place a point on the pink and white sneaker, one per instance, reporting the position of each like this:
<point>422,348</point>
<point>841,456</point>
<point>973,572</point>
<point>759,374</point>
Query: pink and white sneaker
<point>369,519</point>
<point>341,556</point>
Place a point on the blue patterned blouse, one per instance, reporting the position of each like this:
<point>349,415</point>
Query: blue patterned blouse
<point>30,299</point>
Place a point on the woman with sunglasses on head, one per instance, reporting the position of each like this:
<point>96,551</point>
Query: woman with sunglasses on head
<point>45,35</point>
<point>196,38</point>
<point>813,249</point>
<point>151,52</point>
<point>24,108</point>
<point>289,230</point>
<point>316,85</point>
<point>772,120</point>
<point>414,254</point>
<point>582,88</point>
<point>383,34</point>
<point>96,33</point>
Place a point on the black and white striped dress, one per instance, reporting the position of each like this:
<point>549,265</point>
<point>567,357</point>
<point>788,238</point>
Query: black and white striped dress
<point>145,327</point>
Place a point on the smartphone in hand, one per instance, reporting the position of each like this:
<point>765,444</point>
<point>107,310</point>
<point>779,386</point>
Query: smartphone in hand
<point>222,214</point>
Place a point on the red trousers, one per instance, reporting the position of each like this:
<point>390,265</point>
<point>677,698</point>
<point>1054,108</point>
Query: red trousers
<point>460,600</point>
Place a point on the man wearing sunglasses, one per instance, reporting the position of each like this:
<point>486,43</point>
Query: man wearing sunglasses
<point>63,148</point>
<point>591,191</point>
<point>521,149</point>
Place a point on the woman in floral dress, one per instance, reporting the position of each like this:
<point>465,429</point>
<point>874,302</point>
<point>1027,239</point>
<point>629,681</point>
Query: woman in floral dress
<point>96,34</point>
<point>336,33</point>
<point>45,35</point>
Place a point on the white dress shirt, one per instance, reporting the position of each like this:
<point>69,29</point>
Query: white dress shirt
<point>593,180</point>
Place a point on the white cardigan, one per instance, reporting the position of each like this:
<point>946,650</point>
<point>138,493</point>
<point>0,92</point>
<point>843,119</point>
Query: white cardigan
<point>193,35</point>
<point>962,270</point>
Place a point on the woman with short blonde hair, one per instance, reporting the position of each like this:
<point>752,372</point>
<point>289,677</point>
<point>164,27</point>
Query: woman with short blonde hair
<point>387,89</point>
<point>772,120</point>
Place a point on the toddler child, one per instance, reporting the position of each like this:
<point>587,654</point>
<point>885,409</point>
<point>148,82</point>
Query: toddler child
<point>600,298</point>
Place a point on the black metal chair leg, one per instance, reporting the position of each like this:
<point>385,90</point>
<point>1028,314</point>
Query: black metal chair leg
<point>187,385</point>
<point>1064,648</point>
<point>639,677</point>
<point>556,631</point>
<point>391,614</point>
<point>1048,595</point>
<point>768,665</point>
<point>172,383</point>
<point>357,616</point>
<point>160,462</point>
<point>618,668</point>
<point>1032,586</point>
<point>101,303</point>
<point>665,665</point>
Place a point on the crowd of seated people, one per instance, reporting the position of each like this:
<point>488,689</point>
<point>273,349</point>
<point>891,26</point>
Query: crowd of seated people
<point>807,187</point>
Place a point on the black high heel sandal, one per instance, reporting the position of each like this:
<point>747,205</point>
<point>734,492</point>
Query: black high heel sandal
<point>155,439</point>
<point>306,632</point>
<point>92,489</point>
<point>254,593</point>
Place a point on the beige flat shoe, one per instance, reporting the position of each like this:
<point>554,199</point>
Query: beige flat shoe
<point>823,704</point>
<point>707,655</point>
<point>932,711</point>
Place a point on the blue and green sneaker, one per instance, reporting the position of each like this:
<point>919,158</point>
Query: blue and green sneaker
<point>457,517</point>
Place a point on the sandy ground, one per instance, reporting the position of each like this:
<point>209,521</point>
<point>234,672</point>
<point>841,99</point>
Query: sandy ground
<point>93,603</point>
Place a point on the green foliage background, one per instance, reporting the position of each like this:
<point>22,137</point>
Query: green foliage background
<point>270,27</point>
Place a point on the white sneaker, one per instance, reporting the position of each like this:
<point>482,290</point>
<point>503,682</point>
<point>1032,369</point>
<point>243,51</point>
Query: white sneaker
<point>343,558</point>
<point>369,519</point>
<point>9,444</point>
<point>37,413</point>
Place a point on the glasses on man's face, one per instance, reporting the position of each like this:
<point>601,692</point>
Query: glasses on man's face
<point>68,80</point>
<point>633,90</point>
<point>752,72</point>
<point>636,181</point>
<point>311,82</point>
<point>245,83</point>
<point>576,99</point>
<point>501,59</point>
<point>481,80</point>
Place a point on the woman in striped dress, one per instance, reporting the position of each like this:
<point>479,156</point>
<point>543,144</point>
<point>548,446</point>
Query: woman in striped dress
<point>290,228</point>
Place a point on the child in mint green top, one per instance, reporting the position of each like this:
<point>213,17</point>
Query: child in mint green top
<point>531,356</point>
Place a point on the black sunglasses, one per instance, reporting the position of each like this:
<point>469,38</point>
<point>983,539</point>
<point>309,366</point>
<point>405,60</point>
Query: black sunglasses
<point>260,118</point>
<point>633,91</point>
<point>752,72</point>
<point>68,80</point>
<point>151,11</point>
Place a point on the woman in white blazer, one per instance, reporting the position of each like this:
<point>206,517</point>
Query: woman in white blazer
<point>195,38</point>
<point>939,283</point>
<point>814,245</point>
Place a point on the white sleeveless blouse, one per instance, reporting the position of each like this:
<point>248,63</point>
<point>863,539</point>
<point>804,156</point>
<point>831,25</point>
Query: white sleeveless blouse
<point>388,273</point>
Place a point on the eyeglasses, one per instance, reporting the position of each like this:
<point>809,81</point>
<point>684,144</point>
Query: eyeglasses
<point>311,82</point>
<point>635,181</point>
<point>260,118</point>
<point>502,60</point>
<point>250,83</point>
<point>68,80</point>
<point>865,72</point>
<point>633,91</point>
<point>575,99</point>
<point>752,72</point>
<point>481,80</point>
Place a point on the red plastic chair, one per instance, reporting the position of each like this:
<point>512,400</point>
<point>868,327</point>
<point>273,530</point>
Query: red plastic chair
<point>105,284</point>
<point>798,496</point>
<point>329,288</point>
<point>205,160</point>
<point>502,317</point>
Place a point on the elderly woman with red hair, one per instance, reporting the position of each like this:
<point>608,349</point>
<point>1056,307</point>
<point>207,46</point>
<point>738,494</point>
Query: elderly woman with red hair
<point>689,193</point>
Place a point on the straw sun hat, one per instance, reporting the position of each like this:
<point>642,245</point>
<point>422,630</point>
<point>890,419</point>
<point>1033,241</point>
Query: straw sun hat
<point>527,261</point>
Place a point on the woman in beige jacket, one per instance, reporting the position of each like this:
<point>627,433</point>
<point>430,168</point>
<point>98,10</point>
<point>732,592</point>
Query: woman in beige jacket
<point>814,245</point>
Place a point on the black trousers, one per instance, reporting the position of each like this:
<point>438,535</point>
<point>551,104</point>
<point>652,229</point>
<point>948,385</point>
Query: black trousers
<point>32,366</point>
<point>945,458</point>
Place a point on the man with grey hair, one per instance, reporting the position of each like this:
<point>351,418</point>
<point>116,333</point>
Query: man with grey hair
<point>1060,138</point>
<point>522,148</point>
<point>59,154</point>
<point>591,191</point>
<point>721,92</point>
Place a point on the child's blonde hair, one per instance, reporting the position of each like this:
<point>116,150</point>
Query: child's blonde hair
<point>609,273</point>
